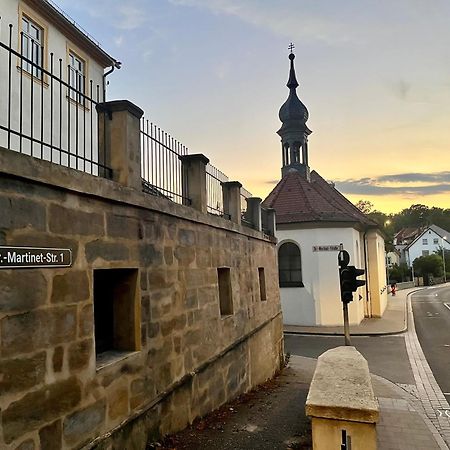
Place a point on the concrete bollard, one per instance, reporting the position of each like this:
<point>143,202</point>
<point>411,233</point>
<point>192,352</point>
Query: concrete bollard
<point>341,402</point>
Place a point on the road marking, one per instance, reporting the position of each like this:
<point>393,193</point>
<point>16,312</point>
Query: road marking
<point>443,412</point>
<point>447,305</point>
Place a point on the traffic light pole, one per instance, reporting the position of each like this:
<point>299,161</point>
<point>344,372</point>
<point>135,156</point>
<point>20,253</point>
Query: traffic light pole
<point>346,325</point>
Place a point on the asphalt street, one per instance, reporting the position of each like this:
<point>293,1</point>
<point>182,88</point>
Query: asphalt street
<point>386,355</point>
<point>431,308</point>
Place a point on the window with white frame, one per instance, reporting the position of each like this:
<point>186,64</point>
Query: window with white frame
<point>435,241</point>
<point>76,77</point>
<point>425,241</point>
<point>425,252</point>
<point>32,46</point>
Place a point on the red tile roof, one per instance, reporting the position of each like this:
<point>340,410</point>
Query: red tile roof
<point>296,199</point>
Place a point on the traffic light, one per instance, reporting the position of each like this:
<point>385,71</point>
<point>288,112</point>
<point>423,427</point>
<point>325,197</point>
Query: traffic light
<point>348,277</point>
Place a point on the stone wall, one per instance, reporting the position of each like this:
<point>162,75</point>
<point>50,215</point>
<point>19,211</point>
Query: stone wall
<point>188,359</point>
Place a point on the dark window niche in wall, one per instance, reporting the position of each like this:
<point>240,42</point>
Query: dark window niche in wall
<point>116,314</point>
<point>225,294</point>
<point>262,284</point>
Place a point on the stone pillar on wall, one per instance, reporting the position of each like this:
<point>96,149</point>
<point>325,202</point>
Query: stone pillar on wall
<point>119,141</point>
<point>231,191</point>
<point>269,223</point>
<point>253,213</point>
<point>194,181</point>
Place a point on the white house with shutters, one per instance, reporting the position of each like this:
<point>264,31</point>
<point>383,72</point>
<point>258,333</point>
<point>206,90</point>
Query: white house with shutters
<point>431,240</point>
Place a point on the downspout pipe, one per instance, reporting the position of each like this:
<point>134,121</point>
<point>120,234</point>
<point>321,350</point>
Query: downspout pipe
<point>366,268</point>
<point>116,65</point>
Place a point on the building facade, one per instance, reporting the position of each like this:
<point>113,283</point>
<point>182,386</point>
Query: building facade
<point>313,222</point>
<point>430,240</point>
<point>52,74</point>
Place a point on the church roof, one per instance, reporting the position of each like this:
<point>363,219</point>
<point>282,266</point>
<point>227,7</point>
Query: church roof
<point>296,200</point>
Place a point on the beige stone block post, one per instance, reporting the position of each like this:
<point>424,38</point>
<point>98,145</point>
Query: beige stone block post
<point>253,213</point>
<point>119,141</point>
<point>231,191</point>
<point>341,402</point>
<point>268,219</point>
<point>194,181</point>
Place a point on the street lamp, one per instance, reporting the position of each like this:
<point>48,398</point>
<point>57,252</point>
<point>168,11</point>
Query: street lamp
<point>443,256</point>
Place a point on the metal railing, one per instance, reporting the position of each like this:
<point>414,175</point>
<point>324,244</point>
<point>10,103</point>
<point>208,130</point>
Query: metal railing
<point>161,169</point>
<point>214,195</point>
<point>46,113</point>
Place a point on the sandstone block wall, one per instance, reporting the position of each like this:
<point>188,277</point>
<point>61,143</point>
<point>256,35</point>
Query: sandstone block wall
<point>190,360</point>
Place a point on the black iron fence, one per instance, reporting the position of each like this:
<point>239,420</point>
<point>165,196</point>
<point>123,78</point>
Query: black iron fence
<point>160,164</point>
<point>214,196</point>
<point>48,111</point>
<point>47,108</point>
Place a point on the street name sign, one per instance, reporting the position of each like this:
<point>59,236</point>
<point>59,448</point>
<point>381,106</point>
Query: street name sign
<point>326,248</point>
<point>30,257</point>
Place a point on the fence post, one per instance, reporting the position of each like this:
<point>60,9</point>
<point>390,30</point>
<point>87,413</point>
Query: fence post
<point>270,225</point>
<point>253,213</point>
<point>194,180</point>
<point>119,141</point>
<point>231,191</point>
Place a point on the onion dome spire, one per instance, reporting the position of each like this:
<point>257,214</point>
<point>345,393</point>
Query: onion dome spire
<point>293,109</point>
<point>294,131</point>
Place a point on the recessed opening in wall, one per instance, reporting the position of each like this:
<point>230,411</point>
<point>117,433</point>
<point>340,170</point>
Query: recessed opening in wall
<point>116,313</point>
<point>262,284</point>
<point>225,295</point>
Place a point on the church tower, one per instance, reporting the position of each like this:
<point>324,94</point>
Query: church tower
<point>294,132</point>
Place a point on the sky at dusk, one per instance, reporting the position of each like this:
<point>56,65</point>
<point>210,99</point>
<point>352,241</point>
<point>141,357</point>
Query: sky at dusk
<point>375,76</point>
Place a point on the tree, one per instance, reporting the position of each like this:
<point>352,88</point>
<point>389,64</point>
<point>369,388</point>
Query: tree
<point>428,265</point>
<point>365,206</point>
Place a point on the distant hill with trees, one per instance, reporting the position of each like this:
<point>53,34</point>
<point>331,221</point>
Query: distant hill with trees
<point>413,217</point>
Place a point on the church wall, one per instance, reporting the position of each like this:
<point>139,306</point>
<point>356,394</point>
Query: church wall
<point>377,273</point>
<point>318,302</point>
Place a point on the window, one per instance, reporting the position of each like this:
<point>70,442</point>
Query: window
<point>225,294</point>
<point>435,241</point>
<point>76,77</point>
<point>32,46</point>
<point>116,316</point>
<point>290,265</point>
<point>425,252</point>
<point>425,241</point>
<point>262,284</point>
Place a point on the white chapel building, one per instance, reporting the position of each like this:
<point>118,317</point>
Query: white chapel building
<point>313,218</point>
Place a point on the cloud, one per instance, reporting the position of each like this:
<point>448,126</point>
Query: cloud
<point>130,16</point>
<point>401,89</point>
<point>437,177</point>
<point>125,15</point>
<point>431,184</point>
<point>282,18</point>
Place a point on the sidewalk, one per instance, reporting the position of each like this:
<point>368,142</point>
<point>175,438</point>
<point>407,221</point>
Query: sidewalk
<point>273,417</point>
<point>412,416</point>
<point>394,320</point>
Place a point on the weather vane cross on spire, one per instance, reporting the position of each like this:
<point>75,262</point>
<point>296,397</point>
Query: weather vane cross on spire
<point>291,47</point>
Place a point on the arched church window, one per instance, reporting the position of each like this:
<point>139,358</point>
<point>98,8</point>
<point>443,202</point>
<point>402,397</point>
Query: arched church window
<point>290,265</point>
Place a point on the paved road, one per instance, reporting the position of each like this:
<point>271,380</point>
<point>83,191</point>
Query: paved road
<point>432,321</point>
<point>386,355</point>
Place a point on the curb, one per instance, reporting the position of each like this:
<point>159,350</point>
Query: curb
<point>361,334</point>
